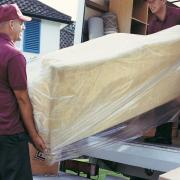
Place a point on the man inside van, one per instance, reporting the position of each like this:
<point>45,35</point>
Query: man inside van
<point>163,17</point>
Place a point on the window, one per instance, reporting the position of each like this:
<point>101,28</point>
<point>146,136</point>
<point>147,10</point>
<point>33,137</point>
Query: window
<point>32,36</point>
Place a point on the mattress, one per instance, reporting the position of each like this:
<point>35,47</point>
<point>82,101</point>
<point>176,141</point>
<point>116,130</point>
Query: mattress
<point>82,90</point>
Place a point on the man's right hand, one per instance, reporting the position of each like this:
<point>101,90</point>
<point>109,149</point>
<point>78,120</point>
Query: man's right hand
<point>39,143</point>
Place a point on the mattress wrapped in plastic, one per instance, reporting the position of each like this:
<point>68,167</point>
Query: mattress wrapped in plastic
<point>82,90</point>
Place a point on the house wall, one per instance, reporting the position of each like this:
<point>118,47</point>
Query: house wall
<point>79,22</point>
<point>49,39</point>
<point>50,36</point>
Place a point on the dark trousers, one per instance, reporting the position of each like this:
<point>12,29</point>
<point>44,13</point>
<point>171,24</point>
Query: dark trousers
<point>165,130</point>
<point>14,158</point>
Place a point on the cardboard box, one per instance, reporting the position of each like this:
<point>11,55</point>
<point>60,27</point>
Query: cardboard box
<point>171,175</point>
<point>151,132</point>
<point>39,165</point>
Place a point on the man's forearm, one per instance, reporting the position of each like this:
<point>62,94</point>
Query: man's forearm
<point>26,112</point>
<point>28,119</point>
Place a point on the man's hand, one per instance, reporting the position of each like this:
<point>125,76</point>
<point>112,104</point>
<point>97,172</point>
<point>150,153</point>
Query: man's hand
<point>39,143</point>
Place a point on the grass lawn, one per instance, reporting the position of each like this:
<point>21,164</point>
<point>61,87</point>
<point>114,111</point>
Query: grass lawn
<point>102,172</point>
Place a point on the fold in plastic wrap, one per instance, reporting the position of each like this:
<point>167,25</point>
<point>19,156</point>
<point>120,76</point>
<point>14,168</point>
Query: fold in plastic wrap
<point>83,90</point>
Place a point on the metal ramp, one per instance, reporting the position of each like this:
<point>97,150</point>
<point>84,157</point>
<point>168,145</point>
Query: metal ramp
<point>160,158</point>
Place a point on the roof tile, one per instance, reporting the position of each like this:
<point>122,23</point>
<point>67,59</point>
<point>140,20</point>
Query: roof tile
<point>35,8</point>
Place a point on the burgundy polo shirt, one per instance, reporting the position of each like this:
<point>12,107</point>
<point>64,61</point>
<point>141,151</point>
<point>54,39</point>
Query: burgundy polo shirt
<point>12,77</point>
<point>172,18</point>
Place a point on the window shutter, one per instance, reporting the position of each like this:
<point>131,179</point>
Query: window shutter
<point>32,36</point>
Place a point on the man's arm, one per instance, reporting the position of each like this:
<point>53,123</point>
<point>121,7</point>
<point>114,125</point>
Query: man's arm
<point>28,119</point>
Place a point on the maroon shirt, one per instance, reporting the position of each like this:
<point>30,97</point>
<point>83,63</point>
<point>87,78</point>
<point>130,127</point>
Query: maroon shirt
<point>172,18</point>
<point>12,77</point>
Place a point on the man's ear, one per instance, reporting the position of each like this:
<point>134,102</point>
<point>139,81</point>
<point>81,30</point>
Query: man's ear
<point>11,25</point>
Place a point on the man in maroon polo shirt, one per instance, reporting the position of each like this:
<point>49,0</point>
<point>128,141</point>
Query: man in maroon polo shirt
<point>16,112</point>
<point>163,17</point>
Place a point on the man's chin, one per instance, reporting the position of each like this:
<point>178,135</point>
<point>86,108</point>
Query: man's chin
<point>19,39</point>
<point>153,10</point>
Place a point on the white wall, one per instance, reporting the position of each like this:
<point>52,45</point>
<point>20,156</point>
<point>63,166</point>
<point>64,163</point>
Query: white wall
<point>49,39</point>
<point>79,22</point>
<point>50,36</point>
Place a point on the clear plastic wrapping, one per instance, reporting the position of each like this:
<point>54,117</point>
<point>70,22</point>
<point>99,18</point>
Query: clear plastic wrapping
<point>107,88</point>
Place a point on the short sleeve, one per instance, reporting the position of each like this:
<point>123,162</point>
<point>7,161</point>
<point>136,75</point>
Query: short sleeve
<point>17,73</point>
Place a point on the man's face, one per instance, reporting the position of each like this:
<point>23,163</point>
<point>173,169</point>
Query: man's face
<point>156,5</point>
<point>17,27</point>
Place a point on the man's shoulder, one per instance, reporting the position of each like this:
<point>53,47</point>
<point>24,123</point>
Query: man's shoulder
<point>173,10</point>
<point>12,51</point>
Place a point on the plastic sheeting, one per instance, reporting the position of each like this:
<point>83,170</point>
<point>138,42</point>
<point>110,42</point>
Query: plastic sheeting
<point>117,79</point>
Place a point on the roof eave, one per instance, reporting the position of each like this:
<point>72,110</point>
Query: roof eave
<point>49,18</point>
